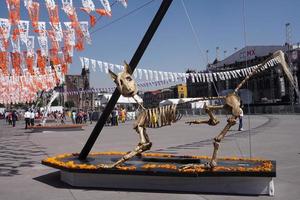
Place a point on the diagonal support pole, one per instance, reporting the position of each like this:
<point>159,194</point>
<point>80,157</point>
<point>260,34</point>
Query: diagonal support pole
<point>133,63</point>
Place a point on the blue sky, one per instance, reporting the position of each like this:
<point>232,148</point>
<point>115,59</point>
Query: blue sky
<point>173,48</point>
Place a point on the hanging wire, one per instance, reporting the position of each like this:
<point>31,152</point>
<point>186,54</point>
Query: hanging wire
<point>193,29</point>
<point>247,84</point>
<point>197,40</point>
<point>122,17</point>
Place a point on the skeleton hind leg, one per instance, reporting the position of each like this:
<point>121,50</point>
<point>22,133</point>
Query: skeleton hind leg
<point>230,122</point>
<point>212,121</point>
<point>213,162</point>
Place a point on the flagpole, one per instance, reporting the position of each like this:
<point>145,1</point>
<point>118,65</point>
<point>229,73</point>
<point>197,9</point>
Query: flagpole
<point>133,63</point>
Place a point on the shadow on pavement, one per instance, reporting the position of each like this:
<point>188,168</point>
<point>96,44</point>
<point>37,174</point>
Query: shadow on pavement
<point>17,152</point>
<point>53,179</point>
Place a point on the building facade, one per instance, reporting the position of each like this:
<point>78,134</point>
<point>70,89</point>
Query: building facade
<point>80,83</point>
<point>153,98</point>
<point>270,86</point>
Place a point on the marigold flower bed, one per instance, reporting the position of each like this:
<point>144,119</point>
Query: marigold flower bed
<point>161,163</point>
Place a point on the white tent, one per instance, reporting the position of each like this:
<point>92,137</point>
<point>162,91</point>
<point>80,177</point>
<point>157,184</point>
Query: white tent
<point>197,104</point>
<point>122,100</point>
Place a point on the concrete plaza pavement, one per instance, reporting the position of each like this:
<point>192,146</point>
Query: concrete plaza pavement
<point>274,137</point>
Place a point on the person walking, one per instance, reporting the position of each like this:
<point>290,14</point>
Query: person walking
<point>91,116</point>
<point>14,118</point>
<point>32,115</point>
<point>241,118</point>
<point>73,116</point>
<point>113,117</point>
<point>84,115</point>
<point>9,116</point>
<point>62,118</point>
<point>27,119</point>
<point>123,115</point>
<point>117,118</point>
<point>6,116</point>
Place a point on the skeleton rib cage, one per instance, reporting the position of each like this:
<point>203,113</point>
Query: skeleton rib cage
<point>158,116</point>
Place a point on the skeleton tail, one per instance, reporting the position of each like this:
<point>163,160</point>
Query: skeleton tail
<point>202,99</point>
<point>276,58</point>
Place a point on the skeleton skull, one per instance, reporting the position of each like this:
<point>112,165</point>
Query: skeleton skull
<point>124,81</point>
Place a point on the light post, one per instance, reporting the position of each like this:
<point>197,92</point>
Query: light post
<point>207,61</point>
<point>288,35</point>
<point>217,53</point>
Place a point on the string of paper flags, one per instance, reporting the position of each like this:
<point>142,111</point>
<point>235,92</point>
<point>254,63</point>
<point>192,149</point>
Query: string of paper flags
<point>110,89</point>
<point>24,71</point>
<point>56,43</point>
<point>24,88</point>
<point>154,75</point>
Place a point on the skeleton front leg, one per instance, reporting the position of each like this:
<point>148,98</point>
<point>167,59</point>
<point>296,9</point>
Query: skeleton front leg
<point>212,121</point>
<point>142,146</point>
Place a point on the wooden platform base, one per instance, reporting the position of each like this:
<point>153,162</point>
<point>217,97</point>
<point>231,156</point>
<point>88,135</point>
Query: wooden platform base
<point>162,172</point>
<point>57,127</point>
<point>213,185</point>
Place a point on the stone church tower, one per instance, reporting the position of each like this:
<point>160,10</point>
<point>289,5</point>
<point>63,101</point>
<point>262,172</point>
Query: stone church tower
<point>79,91</point>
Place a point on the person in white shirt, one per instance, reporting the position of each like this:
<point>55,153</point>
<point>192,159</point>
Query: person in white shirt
<point>74,117</point>
<point>241,120</point>
<point>27,115</point>
<point>32,115</point>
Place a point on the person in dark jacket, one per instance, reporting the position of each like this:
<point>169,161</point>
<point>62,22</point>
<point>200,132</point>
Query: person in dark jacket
<point>14,118</point>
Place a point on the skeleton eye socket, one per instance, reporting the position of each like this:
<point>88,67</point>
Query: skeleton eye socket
<point>128,78</point>
<point>121,82</point>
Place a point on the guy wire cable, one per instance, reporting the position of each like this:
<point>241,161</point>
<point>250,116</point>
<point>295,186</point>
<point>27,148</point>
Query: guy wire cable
<point>123,16</point>
<point>197,40</point>
<point>248,95</point>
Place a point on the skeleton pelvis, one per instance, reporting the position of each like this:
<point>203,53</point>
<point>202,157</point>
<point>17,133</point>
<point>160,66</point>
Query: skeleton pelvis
<point>232,104</point>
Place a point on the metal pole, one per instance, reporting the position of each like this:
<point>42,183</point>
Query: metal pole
<point>133,63</point>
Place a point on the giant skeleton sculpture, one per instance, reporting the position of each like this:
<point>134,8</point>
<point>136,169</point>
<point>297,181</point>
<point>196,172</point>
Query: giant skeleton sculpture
<point>54,95</point>
<point>168,114</point>
<point>128,88</point>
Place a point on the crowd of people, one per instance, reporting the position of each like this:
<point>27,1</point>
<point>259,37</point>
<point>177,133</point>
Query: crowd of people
<point>11,117</point>
<point>29,117</point>
<point>116,116</point>
<point>81,117</point>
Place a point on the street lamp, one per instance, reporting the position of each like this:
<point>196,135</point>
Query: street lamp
<point>217,53</point>
<point>207,57</point>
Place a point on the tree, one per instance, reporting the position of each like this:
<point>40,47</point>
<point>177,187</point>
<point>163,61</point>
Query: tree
<point>69,104</point>
<point>55,103</point>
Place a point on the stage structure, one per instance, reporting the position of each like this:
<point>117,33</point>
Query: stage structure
<point>151,171</point>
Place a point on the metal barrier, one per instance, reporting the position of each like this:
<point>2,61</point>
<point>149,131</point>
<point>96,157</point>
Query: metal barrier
<point>262,109</point>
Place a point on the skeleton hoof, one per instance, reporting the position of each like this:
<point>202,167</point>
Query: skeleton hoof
<point>106,166</point>
<point>188,166</point>
<point>191,166</point>
<point>189,123</point>
<point>145,146</point>
<point>210,165</point>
